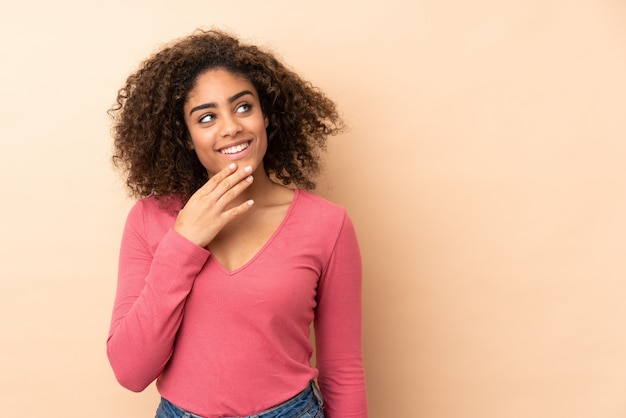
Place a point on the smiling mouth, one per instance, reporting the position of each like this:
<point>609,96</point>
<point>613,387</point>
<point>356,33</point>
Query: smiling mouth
<point>235,149</point>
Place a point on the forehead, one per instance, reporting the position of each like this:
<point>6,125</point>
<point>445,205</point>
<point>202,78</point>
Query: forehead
<point>219,82</point>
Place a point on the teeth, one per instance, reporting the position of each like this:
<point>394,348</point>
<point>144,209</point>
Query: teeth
<point>235,149</point>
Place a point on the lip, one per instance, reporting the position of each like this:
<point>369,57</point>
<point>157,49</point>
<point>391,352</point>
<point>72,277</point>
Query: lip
<point>237,155</point>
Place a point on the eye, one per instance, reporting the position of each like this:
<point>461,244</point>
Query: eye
<point>209,117</point>
<point>243,108</point>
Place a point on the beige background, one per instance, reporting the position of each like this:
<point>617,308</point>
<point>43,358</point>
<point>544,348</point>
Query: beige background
<point>484,170</point>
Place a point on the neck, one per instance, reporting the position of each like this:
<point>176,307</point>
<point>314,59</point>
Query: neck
<point>262,189</point>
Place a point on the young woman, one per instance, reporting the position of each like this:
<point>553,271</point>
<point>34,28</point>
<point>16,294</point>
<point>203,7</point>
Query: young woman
<point>226,258</point>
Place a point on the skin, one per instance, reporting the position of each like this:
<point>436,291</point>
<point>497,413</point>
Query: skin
<point>235,213</point>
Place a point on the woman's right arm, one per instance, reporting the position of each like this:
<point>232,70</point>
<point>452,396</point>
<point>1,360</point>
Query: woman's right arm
<point>153,284</point>
<point>151,292</point>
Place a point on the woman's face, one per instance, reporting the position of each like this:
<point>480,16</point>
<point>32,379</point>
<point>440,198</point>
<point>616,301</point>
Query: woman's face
<point>225,121</point>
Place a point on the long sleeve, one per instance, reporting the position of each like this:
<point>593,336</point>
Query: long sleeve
<point>338,329</point>
<point>153,284</point>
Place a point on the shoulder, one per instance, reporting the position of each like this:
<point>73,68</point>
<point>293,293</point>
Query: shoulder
<point>153,216</point>
<point>318,206</point>
<point>166,206</point>
<point>319,215</point>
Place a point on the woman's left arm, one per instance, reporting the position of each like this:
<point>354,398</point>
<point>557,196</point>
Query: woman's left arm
<point>338,329</point>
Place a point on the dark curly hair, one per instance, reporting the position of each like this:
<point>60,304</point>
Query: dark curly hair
<point>151,140</point>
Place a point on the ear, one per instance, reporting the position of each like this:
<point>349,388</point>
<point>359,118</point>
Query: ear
<point>267,122</point>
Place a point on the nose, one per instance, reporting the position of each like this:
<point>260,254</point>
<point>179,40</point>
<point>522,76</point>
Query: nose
<point>230,126</point>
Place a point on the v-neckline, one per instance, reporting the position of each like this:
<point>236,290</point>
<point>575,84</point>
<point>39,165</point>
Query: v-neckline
<point>264,246</point>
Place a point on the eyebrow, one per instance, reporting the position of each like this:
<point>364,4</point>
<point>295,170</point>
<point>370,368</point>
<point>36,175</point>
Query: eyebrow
<point>212,105</point>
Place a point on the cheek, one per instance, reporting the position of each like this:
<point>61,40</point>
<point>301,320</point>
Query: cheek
<point>201,147</point>
<point>199,139</point>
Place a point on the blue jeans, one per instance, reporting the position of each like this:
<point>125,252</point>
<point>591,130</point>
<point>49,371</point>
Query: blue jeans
<point>306,404</point>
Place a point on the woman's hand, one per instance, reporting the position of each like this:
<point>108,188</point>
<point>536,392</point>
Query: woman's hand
<point>209,208</point>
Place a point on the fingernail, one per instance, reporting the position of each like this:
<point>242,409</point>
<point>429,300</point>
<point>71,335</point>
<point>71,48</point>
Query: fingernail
<point>250,202</point>
<point>232,166</point>
<point>249,179</point>
<point>248,169</point>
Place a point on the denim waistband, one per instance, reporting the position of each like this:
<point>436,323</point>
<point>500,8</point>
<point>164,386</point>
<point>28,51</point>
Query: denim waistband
<point>311,391</point>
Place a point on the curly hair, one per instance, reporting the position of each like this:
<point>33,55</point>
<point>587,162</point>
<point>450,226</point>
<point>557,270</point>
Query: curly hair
<point>151,140</point>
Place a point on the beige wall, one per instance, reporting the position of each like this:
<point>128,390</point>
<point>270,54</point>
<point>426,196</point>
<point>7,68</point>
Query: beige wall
<point>484,170</point>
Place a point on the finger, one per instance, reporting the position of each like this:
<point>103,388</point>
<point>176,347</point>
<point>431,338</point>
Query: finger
<point>238,210</point>
<point>233,180</point>
<point>215,180</point>
<point>234,191</point>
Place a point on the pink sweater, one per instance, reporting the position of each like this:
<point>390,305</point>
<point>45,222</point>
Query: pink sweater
<point>237,342</point>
